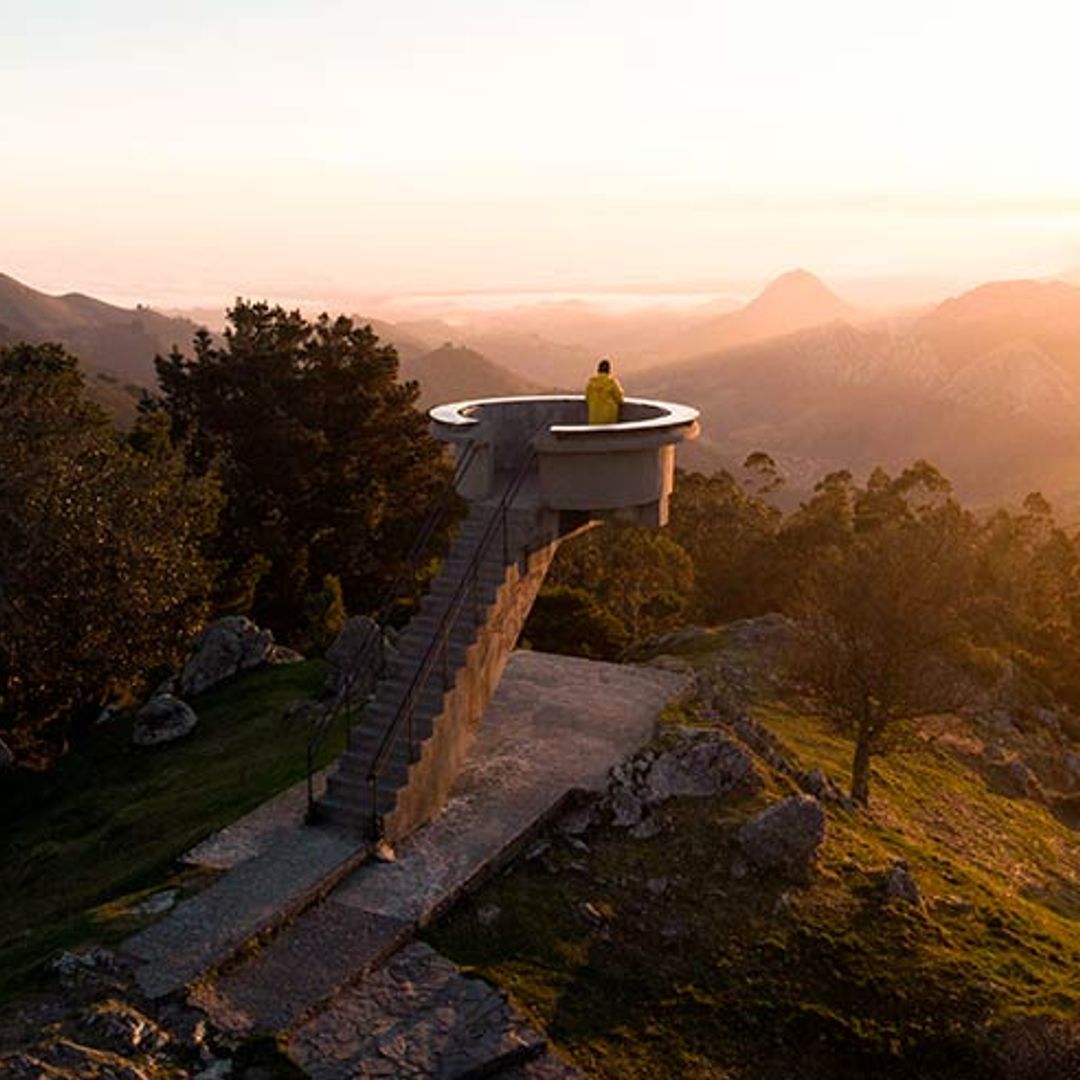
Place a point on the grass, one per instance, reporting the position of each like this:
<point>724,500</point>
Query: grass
<point>84,841</point>
<point>681,969</point>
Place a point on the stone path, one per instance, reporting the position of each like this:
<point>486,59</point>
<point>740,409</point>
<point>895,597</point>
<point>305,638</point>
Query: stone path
<point>555,726</point>
<point>256,896</point>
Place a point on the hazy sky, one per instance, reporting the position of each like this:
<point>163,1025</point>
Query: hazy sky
<point>204,149</point>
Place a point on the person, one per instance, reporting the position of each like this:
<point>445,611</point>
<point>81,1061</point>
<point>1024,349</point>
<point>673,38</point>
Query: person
<point>603,395</point>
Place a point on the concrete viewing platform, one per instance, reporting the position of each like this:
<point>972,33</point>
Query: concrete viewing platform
<point>619,471</point>
<point>556,725</point>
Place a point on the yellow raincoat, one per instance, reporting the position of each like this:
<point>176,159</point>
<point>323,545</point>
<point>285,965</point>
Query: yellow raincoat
<point>603,395</point>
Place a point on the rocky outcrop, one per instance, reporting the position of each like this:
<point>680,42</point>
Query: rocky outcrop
<point>696,763</point>
<point>93,1025</point>
<point>163,719</point>
<point>226,647</point>
<point>785,838</point>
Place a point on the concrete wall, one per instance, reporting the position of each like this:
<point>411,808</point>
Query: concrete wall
<point>442,755</point>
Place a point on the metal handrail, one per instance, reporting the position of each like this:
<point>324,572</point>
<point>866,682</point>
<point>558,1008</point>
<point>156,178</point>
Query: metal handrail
<point>440,639</point>
<point>369,665</point>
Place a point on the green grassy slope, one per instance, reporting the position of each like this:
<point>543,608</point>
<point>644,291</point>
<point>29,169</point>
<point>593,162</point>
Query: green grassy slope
<point>677,968</point>
<point>78,842</point>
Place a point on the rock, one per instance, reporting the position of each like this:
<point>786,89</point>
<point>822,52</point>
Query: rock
<point>816,783</point>
<point>384,852</point>
<point>124,1028</point>
<point>1048,718</point>
<point>701,763</point>
<point>225,647</point>
<point>1015,778</point>
<point>537,850</point>
<point>85,965</point>
<point>488,914</point>
<point>626,808</point>
<point>676,664</point>
<point>355,654</point>
<point>282,654</point>
<point>577,821</point>
<point>785,837</point>
<point>7,758</point>
<point>163,719</point>
<point>657,886</point>
<point>999,722</point>
<point>157,904</point>
<point>108,714</point>
<point>646,830</point>
<point>64,1058</point>
<point>901,886</point>
<point>593,914</point>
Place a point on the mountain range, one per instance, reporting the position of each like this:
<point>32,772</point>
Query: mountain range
<point>986,384</point>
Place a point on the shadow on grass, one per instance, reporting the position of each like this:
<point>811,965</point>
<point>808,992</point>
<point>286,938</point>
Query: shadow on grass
<point>113,819</point>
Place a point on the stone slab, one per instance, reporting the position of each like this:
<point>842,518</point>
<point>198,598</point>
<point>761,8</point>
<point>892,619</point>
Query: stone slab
<point>323,950</point>
<point>205,931</point>
<point>256,832</point>
<point>417,1016</point>
<point>556,724</point>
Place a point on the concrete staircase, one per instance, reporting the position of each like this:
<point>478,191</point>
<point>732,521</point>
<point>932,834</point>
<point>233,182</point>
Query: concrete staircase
<point>464,631</point>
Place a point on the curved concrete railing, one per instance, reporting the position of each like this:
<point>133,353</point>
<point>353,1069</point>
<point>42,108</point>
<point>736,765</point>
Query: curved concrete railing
<point>568,414</point>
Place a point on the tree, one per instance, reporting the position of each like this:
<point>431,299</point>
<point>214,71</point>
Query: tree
<point>567,620</point>
<point>327,465</point>
<point>101,573</point>
<point>641,577</point>
<point>730,536</point>
<point>883,610</point>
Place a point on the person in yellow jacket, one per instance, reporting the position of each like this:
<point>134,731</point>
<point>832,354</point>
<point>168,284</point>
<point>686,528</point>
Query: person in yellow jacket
<point>603,395</point>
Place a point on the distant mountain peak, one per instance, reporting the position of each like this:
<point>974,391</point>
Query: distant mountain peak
<point>800,288</point>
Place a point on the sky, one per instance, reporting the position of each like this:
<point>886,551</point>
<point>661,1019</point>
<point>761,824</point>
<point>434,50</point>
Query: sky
<point>196,151</point>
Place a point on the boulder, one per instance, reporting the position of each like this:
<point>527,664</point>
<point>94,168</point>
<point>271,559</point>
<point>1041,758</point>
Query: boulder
<point>163,719</point>
<point>225,647</point>
<point>701,763</point>
<point>901,886</point>
<point>7,758</point>
<point>355,653</point>
<point>785,837</point>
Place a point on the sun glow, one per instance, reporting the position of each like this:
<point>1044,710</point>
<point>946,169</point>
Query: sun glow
<point>342,146</point>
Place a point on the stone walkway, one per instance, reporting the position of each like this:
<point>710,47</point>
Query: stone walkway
<point>555,726</point>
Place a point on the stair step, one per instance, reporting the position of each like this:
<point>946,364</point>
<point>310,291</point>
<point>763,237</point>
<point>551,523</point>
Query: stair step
<point>356,790</point>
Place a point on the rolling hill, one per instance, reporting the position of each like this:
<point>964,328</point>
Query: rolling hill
<point>453,373</point>
<point>120,342</point>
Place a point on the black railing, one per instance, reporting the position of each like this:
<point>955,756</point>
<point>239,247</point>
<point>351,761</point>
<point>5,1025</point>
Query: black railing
<point>369,667</point>
<point>438,650</point>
